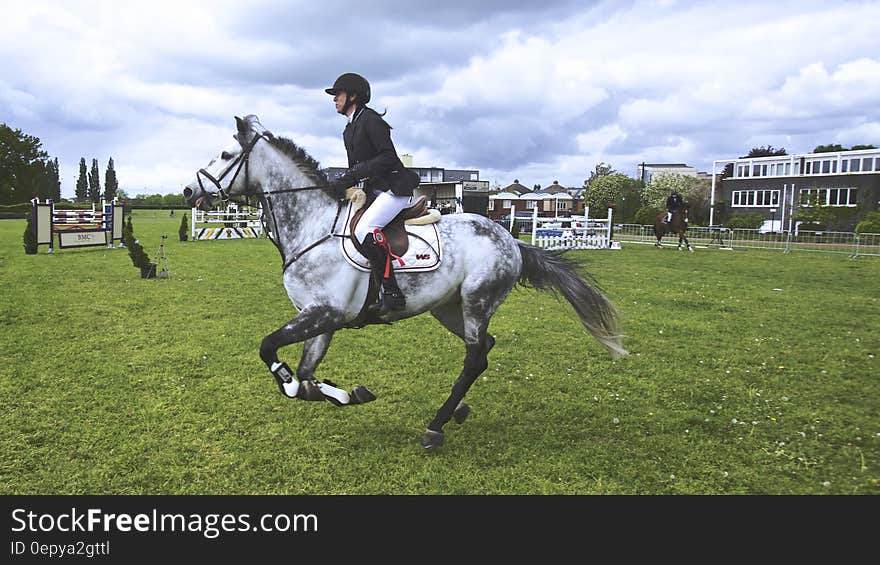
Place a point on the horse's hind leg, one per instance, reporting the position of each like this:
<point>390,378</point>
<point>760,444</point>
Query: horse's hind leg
<point>450,315</point>
<point>471,325</point>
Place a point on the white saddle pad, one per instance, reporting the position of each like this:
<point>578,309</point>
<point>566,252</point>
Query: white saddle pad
<point>423,254</point>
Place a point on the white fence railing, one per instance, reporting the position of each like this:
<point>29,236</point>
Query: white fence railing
<point>230,223</point>
<point>848,243</point>
<point>572,232</point>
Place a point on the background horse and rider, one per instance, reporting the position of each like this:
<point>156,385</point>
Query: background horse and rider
<point>678,224</point>
<point>481,263</point>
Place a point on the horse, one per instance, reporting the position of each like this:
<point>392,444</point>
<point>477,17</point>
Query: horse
<point>481,264</point>
<point>677,224</point>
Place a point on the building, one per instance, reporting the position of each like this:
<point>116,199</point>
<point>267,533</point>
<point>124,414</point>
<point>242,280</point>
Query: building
<point>501,202</point>
<point>551,200</point>
<point>647,171</point>
<point>777,187</point>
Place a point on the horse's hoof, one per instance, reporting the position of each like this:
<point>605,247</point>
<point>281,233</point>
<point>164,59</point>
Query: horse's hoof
<point>361,395</point>
<point>461,412</point>
<point>308,390</point>
<point>432,439</point>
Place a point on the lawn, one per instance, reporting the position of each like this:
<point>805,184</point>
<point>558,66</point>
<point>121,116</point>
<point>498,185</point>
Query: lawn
<point>752,372</point>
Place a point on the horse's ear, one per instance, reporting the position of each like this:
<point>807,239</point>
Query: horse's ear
<point>244,131</point>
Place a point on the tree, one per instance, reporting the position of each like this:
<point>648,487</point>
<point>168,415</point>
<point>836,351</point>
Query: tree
<point>22,165</point>
<point>55,193</point>
<point>49,183</point>
<point>183,232</point>
<point>139,257</point>
<point>82,186</point>
<point>830,148</point>
<point>765,151</point>
<point>536,187</point>
<point>94,183</point>
<point>616,191</point>
<point>111,186</point>
<point>173,200</point>
<point>858,147</point>
<point>29,239</point>
<point>601,170</point>
<point>869,224</point>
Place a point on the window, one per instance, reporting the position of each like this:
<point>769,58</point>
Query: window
<point>826,167</point>
<point>834,166</point>
<point>530,204</point>
<point>854,165</point>
<point>866,164</point>
<point>844,166</point>
<point>759,170</point>
<point>506,204</point>
<point>877,164</point>
<point>491,204</point>
<point>787,169</point>
<point>828,196</point>
<point>755,198</point>
<point>743,171</point>
<point>562,204</point>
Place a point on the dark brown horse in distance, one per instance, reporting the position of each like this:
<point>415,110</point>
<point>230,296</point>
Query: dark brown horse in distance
<point>678,224</point>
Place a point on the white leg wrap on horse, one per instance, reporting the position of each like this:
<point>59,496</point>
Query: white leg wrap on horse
<point>337,393</point>
<point>290,386</point>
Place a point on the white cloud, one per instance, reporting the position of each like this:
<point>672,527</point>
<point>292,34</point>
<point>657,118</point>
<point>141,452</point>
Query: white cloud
<point>531,93</point>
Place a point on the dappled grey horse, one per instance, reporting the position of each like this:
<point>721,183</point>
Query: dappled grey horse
<point>481,263</point>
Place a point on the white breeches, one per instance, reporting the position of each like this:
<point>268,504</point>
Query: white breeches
<point>386,206</point>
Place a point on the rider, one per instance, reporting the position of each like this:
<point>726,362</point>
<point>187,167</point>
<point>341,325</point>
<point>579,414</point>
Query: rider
<point>673,203</point>
<point>388,185</point>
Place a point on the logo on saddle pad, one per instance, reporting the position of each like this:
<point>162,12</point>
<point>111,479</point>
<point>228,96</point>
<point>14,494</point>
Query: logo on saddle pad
<point>423,252</point>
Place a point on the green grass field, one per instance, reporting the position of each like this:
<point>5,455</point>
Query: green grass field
<point>751,373</point>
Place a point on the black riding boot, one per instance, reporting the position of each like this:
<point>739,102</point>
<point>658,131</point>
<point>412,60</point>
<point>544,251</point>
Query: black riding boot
<point>391,297</point>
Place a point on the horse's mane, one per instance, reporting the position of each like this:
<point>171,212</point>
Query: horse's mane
<point>310,166</point>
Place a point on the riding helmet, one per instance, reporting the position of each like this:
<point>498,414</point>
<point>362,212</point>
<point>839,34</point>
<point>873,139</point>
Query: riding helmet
<point>353,84</point>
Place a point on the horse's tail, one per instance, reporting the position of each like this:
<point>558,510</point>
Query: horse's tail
<point>548,270</point>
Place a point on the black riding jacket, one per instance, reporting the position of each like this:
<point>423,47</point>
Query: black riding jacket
<point>371,155</point>
<point>673,202</point>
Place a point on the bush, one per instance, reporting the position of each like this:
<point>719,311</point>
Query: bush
<point>744,221</point>
<point>869,224</point>
<point>183,232</point>
<point>647,215</point>
<point>139,257</point>
<point>30,236</point>
<point>515,230</point>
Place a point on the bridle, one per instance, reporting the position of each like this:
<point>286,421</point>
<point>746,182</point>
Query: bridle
<point>242,161</point>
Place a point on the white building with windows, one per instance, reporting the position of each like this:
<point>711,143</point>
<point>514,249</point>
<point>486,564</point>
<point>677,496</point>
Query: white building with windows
<point>777,187</point>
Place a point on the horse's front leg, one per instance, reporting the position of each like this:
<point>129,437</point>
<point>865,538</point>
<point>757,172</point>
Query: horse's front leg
<point>315,326</point>
<point>314,350</point>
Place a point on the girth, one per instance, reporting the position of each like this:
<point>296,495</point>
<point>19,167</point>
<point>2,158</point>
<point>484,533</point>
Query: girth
<point>395,231</point>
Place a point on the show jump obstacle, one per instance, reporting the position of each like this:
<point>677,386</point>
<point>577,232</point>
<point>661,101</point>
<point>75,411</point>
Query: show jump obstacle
<point>573,232</point>
<point>229,223</point>
<point>77,228</point>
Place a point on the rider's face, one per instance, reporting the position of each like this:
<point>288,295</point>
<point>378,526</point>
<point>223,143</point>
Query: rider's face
<point>339,100</point>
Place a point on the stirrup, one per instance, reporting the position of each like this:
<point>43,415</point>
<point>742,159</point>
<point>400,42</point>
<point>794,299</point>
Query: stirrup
<point>393,300</point>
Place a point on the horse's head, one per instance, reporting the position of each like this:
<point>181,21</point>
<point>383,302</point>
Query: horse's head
<point>227,175</point>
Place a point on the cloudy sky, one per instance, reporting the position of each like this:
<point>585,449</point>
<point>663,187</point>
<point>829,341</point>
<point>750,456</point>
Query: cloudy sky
<point>538,91</point>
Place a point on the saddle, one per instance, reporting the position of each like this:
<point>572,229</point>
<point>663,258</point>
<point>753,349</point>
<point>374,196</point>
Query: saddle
<point>395,232</point>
